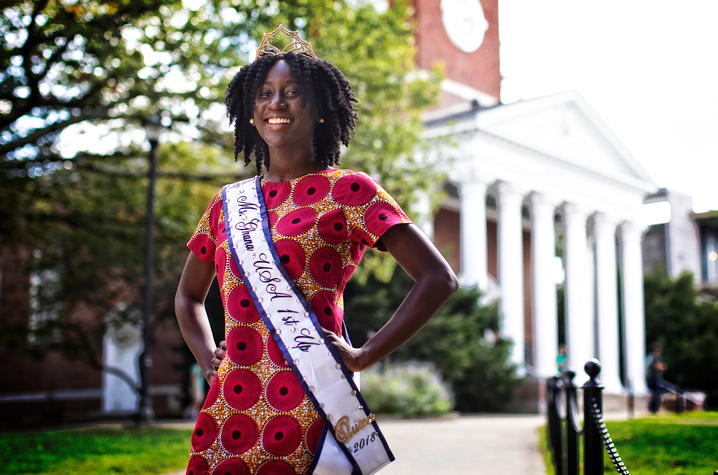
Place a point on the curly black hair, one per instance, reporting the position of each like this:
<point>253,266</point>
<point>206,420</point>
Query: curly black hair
<point>320,83</point>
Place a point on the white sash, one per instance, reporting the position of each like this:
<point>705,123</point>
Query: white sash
<point>354,443</point>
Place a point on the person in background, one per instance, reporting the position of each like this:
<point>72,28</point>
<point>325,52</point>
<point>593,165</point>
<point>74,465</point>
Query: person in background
<point>561,358</point>
<point>654,378</point>
<point>196,391</point>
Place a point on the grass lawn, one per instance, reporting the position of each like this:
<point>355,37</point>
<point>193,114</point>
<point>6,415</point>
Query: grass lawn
<point>96,451</point>
<point>683,444</point>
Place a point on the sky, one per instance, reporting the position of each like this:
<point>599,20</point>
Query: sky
<point>648,68</point>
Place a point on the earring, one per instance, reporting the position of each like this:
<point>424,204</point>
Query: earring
<point>321,120</point>
<point>251,121</point>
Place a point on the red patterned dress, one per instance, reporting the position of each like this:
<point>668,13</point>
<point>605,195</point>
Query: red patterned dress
<point>257,418</point>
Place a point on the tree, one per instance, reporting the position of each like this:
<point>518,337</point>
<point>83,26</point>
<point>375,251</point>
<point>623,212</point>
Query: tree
<point>80,78</point>
<point>461,340</point>
<point>686,327</point>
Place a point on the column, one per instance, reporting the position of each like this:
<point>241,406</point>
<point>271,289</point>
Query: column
<point>579,310</point>
<point>633,318</point>
<point>510,257</point>
<point>545,325</point>
<point>423,214</point>
<point>473,234</point>
<point>607,303</point>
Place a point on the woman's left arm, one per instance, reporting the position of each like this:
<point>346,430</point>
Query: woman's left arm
<point>434,282</point>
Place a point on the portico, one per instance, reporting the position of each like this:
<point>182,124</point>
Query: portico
<point>549,167</point>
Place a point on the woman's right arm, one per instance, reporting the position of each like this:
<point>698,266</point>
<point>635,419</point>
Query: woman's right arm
<point>192,318</point>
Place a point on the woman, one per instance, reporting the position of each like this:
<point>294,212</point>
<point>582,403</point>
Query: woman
<point>291,112</point>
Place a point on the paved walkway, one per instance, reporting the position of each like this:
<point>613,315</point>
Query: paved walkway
<point>503,444</point>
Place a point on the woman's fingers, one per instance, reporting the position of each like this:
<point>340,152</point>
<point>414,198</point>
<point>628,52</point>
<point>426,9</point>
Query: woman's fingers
<point>219,354</point>
<point>348,354</point>
<point>216,362</point>
<point>333,337</point>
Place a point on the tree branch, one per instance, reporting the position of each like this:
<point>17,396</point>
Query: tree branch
<point>160,174</point>
<point>37,134</point>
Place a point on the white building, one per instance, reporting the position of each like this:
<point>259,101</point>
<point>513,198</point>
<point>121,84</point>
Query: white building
<point>524,174</point>
<point>546,167</point>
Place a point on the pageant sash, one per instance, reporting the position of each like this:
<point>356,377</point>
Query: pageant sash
<point>353,430</point>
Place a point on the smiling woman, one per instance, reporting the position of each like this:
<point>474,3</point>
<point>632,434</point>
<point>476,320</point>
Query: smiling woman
<point>283,247</point>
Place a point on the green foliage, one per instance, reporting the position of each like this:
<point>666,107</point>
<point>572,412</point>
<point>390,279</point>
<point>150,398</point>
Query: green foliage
<point>79,81</point>
<point>460,340</point>
<point>685,327</point>
<point>407,389</point>
<point>96,451</point>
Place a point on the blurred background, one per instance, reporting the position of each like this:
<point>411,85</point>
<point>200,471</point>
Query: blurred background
<point>560,154</point>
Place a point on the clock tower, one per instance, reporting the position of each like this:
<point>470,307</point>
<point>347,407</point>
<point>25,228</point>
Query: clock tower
<point>464,36</point>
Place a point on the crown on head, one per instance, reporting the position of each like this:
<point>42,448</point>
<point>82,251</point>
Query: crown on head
<point>296,44</point>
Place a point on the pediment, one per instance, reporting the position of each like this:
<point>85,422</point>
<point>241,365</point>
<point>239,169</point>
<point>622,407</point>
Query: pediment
<point>563,126</point>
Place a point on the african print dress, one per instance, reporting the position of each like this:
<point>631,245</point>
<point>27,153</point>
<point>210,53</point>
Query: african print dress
<point>257,418</point>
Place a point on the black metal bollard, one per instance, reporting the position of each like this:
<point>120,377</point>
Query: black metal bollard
<point>573,427</point>
<point>592,394</point>
<point>553,388</point>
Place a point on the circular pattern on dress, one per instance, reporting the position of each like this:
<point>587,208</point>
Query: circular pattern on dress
<point>297,222</point>
<point>197,465</point>
<point>233,466</point>
<point>240,305</point>
<point>284,392</point>
<point>310,189</point>
<point>244,346</point>
<point>276,467</point>
<point>379,217</point>
<point>220,264</point>
<point>326,266</point>
<point>275,354</point>
<point>205,431</point>
<point>242,389</point>
<point>314,432</point>
<point>354,190</point>
<point>275,193</point>
<point>272,216</point>
<point>216,211</point>
<point>332,227</point>
<point>291,255</point>
<point>282,435</point>
<point>212,393</point>
<point>360,241</point>
<point>346,275</point>
<point>328,313</point>
<point>204,252</point>
<point>233,267</point>
<point>239,433</point>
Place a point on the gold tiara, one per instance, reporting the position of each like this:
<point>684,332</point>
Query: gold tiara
<point>296,44</point>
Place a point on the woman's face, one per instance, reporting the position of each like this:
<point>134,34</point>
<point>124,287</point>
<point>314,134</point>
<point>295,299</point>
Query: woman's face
<point>280,116</point>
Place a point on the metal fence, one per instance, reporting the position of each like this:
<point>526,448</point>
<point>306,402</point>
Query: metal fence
<point>564,427</point>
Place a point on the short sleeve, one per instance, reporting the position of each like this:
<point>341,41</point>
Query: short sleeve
<point>204,240</point>
<point>370,211</point>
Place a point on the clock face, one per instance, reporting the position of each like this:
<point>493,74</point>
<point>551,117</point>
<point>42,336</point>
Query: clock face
<point>464,23</point>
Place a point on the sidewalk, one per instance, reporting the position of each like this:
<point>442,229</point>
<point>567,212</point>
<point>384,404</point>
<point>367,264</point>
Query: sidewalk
<point>496,443</point>
<point>492,443</point>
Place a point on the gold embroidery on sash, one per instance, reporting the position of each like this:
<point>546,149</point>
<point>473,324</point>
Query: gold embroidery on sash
<point>344,432</point>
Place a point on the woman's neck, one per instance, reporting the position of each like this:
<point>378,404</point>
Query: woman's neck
<point>286,166</point>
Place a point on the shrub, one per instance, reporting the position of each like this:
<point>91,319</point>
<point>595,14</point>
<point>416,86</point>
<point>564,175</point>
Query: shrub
<point>461,340</point>
<point>686,327</point>
<point>406,389</point>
